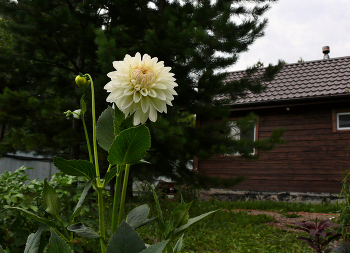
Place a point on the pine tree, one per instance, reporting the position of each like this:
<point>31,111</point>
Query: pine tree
<point>54,40</point>
<point>196,39</point>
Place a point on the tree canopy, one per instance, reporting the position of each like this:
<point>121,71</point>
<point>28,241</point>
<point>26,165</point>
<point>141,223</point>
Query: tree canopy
<point>52,41</point>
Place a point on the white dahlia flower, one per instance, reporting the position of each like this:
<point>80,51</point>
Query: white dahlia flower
<point>143,86</point>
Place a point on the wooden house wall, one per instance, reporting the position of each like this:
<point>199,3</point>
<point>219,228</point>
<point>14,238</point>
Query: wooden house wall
<point>312,159</point>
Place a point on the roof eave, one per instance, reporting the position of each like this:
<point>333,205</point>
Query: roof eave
<point>291,102</point>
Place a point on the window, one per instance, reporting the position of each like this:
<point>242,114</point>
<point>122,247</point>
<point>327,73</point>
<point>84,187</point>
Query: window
<point>237,134</point>
<point>343,121</point>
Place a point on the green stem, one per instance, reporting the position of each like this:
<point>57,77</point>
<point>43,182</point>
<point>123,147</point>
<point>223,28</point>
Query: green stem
<point>116,199</point>
<point>101,220</point>
<point>122,200</point>
<point>87,140</point>
<point>67,236</point>
<point>94,132</point>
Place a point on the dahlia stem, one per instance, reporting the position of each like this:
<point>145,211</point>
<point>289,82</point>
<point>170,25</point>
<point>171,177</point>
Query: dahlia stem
<point>94,132</point>
<point>87,140</point>
<point>122,200</point>
<point>101,220</point>
<point>98,179</point>
<point>117,186</point>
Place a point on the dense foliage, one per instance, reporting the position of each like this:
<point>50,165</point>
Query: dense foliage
<point>52,41</point>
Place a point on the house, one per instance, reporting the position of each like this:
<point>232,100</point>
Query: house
<point>309,99</point>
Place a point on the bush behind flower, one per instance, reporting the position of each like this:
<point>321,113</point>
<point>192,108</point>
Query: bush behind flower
<point>17,190</point>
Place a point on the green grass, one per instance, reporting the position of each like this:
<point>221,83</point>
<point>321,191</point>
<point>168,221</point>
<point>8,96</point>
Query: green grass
<point>240,232</point>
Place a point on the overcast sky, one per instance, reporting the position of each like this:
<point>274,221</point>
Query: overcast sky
<point>300,28</point>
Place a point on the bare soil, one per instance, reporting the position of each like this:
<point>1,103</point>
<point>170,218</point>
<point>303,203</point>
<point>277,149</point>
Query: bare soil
<point>282,221</point>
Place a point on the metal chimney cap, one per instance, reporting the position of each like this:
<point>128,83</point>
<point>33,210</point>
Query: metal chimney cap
<point>325,51</point>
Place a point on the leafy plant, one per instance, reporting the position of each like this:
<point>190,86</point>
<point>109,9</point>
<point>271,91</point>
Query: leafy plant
<point>319,236</point>
<point>344,217</point>
<point>178,223</point>
<point>126,145</point>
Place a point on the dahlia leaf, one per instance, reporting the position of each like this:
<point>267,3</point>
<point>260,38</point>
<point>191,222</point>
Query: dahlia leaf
<point>137,215</point>
<point>50,200</point>
<point>75,167</point>
<point>80,229</point>
<point>105,129</point>
<point>57,244</point>
<point>33,241</point>
<point>125,239</point>
<point>81,201</point>
<point>130,146</point>
<point>156,248</point>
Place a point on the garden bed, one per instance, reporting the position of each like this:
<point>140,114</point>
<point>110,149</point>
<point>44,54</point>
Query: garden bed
<point>287,220</point>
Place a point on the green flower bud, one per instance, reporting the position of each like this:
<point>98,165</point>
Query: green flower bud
<point>81,81</point>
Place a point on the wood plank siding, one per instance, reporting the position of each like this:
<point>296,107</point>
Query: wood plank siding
<point>312,159</point>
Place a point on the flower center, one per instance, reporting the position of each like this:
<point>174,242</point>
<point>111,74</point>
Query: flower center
<point>144,76</point>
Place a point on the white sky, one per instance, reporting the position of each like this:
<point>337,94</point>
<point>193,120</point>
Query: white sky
<point>300,28</point>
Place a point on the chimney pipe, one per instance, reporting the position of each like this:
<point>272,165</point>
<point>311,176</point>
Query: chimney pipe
<point>325,51</point>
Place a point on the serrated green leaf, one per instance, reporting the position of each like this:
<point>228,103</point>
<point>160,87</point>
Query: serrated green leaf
<point>57,244</point>
<point>146,222</point>
<point>178,245</point>
<point>179,216</point>
<point>105,129</point>
<point>119,117</point>
<point>137,215</point>
<point>110,174</point>
<point>125,240</point>
<point>190,222</point>
<point>156,248</point>
<point>75,167</point>
<point>50,200</point>
<point>33,241</point>
<point>130,146</point>
<point>80,229</point>
<point>81,200</point>
<point>159,210</point>
<point>35,217</point>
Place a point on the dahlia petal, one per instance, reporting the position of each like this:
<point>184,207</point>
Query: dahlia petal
<point>168,94</point>
<point>159,105</point>
<point>137,59</point>
<point>143,117</point>
<point>145,103</point>
<point>161,86</point>
<point>152,114</point>
<point>160,94</point>
<point>112,74</point>
<point>152,93</point>
<point>116,94</point>
<point>168,102</point>
<point>125,102</point>
<point>137,96</point>
<point>144,92</point>
<point>137,117</point>
<point>128,91</point>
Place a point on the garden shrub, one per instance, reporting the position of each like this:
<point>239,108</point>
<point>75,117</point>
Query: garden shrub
<point>17,190</point>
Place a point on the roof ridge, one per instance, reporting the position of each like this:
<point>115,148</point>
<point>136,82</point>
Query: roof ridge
<point>295,63</point>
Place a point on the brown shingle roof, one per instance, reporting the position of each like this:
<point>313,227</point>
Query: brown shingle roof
<point>321,78</point>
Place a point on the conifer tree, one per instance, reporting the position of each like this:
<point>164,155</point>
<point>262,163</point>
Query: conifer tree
<point>55,40</point>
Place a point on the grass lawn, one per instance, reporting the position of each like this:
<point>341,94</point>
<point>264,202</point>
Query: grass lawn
<point>227,231</point>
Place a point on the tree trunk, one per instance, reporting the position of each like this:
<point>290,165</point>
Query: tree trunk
<point>2,131</point>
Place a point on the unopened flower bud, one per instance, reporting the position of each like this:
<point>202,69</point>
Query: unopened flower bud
<point>76,114</point>
<point>81,81</point>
